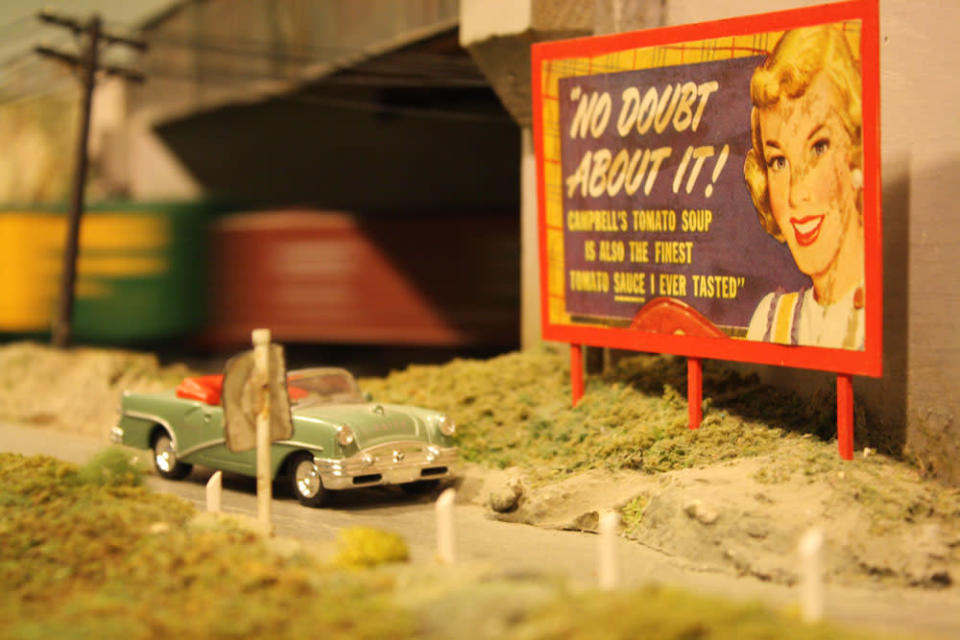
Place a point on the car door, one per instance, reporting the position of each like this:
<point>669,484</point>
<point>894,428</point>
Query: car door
<point>207,421</point>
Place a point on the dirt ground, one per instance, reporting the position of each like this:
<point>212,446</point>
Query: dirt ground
<point>730,517</point>
<point>881,520</point>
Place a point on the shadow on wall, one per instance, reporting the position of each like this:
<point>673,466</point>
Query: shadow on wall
<point>883,400</point>
<point>886,398</point>
<point>286,152</point>
<point>933,365</point>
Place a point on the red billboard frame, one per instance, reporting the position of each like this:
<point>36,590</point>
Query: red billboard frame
<point>845,362</point>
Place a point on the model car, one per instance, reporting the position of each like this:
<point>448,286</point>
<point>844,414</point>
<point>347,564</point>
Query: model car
<point>341,439</point>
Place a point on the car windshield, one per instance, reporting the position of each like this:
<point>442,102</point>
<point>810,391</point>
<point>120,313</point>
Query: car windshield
<point>323,386</point>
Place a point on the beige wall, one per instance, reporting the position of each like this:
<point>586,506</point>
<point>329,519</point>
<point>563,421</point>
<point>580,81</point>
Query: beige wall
<point>483,19</point>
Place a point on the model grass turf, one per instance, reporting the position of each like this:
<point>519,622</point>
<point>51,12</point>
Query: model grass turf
<point>82,558</point>
<point>514,410</point>
<point>89,554</point>
<point>663,613</point>
<point>890,492</point>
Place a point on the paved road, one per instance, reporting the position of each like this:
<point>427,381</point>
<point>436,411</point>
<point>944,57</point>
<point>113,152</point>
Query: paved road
<point>518,547</point>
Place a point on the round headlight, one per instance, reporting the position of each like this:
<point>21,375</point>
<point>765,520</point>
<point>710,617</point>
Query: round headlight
<point>447,426</point>
<point>344,436</point>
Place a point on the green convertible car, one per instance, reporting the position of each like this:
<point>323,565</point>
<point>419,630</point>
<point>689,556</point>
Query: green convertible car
<point>341,439</point>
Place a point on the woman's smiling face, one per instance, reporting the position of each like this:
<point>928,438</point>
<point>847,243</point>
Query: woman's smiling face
<point>806,149</point>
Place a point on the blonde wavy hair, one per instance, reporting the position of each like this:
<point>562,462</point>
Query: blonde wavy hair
<point>787,72</point>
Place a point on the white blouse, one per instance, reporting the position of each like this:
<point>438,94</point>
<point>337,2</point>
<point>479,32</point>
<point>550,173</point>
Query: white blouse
<point>797,318</point>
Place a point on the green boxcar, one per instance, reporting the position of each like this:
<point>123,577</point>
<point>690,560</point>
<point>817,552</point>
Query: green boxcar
<point>141,272</point>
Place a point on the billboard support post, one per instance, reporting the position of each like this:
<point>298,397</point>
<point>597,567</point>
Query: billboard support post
<point>845,415</point>
<point>695,391</point>
<point>576,372</point>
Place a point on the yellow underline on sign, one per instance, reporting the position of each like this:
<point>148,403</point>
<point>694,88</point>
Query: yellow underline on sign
<point>629,299</point>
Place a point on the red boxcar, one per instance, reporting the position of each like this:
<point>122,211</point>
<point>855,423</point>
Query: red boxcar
<point>320,276</point>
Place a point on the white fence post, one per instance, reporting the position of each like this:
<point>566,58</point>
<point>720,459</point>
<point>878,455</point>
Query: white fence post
<point>608,571</point>
<point>811,575</point>
<point>214,492</point>
<point>445,541</point>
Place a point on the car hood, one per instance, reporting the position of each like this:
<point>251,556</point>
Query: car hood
<point>371,423</point>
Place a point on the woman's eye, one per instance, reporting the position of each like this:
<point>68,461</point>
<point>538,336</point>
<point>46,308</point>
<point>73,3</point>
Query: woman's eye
<point>820,147</point>
<point>777,163</point>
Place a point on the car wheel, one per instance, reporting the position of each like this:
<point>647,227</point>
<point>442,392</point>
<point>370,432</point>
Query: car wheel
<point>419,488</point>
<point>305,481</point>
<point>165,459</point>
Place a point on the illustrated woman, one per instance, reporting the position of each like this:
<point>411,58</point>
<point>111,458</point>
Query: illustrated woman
<point>805,177</point>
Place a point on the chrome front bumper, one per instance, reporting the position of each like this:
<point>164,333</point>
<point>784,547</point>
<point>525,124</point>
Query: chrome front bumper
<point>391,463</point>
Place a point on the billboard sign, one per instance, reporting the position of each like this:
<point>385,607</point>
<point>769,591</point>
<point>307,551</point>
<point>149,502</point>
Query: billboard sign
<point>713,190</point>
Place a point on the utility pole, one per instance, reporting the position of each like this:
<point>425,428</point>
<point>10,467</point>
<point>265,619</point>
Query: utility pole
<point>87,64</point>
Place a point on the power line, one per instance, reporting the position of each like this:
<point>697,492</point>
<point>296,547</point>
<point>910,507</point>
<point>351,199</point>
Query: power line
<point>400,64</point>
<point>313,53</point>
<point>349,76</point>
<point>77,28</point>
<point>75,61</point>
<point>312,50</point>
<point>360,105</point>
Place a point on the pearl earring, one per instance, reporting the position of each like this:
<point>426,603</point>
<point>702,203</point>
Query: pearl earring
<point>856,177</point>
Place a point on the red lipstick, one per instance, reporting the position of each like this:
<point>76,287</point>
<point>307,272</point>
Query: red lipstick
<point>807,229</point>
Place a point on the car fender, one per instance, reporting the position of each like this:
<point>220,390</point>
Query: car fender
<point>137,429</point>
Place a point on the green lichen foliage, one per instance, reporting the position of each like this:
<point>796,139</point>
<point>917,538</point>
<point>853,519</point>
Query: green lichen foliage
<point>82,558</point>
<point>655,612</point>
<point>368,547</point>
<point>113,466</point>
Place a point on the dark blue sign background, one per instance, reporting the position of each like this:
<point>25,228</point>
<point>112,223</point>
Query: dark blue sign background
<point>735,244</point>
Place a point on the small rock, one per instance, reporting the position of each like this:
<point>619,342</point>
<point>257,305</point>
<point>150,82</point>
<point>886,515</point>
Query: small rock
<point>756,530</point>
<point>589,521</point>
<point>700,512</point>
<point>506,496</point>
